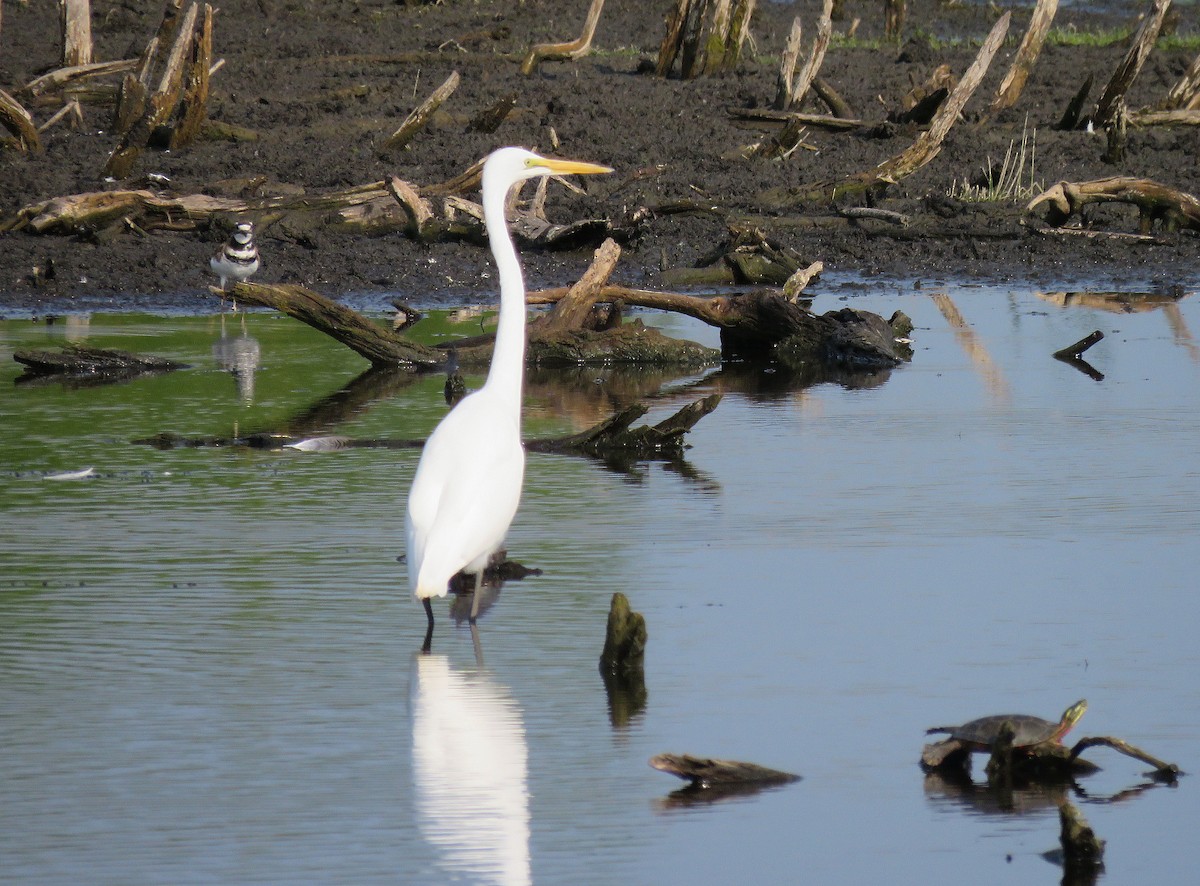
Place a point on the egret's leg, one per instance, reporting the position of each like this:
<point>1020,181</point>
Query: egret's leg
<point>478,646</point>
<point>428,645</point>
<point>475,599</point>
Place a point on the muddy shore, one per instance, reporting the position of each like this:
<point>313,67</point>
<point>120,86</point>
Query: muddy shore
<point>322,84</point>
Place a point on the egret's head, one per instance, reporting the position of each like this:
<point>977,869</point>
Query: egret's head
<point>507,166</point>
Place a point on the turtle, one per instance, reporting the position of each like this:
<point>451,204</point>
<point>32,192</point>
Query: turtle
<point>981,734</point>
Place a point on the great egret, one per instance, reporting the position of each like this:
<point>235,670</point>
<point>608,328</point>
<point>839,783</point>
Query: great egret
<point>468,482</point>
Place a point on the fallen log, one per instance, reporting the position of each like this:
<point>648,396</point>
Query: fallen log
<point>370,340</point>
<point>1156,203</point>
<point>416,121</point>
<point>1185,95</point>
<point>768,325</point>
<point>17,120</point>
<point>62,79</point>
<point>707,771</point>
<point>1180,117</point>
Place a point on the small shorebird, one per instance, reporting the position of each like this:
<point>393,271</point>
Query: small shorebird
<point>238,258</point>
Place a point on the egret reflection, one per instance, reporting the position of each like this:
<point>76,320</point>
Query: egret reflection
<point>470,772</point>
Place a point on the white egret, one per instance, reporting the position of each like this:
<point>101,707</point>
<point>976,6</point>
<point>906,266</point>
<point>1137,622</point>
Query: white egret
<point>468,482</point>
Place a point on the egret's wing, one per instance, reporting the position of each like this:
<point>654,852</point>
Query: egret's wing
<point>465,492</point>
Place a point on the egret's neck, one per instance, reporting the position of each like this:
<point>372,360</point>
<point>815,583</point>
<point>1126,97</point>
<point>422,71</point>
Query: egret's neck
<point>508,357</point>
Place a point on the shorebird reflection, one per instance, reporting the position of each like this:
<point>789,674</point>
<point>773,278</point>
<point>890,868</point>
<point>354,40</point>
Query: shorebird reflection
<point>239,356</point>
<point>470,771</point>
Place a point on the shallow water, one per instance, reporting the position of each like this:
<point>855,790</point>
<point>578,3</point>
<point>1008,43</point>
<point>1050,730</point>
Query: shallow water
<point>208,664</point>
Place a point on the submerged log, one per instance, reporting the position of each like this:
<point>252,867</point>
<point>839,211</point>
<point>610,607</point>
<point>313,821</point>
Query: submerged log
<point>1083,851</point>
<point>614,438</point>
<point>81,360</point>
<point>707,771</point>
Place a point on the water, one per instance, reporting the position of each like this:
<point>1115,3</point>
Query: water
<point>208,664</point>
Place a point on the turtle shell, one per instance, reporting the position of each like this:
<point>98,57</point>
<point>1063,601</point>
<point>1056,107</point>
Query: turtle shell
<point>1028,730</point>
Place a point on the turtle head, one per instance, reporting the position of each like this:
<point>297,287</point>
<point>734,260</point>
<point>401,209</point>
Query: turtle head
<point>1072,714</point>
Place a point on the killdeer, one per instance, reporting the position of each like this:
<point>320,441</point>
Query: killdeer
<point>238,258</point>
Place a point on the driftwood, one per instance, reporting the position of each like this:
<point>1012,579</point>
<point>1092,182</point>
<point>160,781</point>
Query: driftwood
<point>783,118</point>
<point>1027,56</point>
<point>1172,209</point>
<point>1185,95</point>
<point>705,35</point>
<point>16,120</point>
<point>707,772</point>
<point>837,105</point>
<point>1127,71</point>
<point>925,148</point>
<point>570,50</point>
<point>430,213</point>
<point>416,121</point>
<point>1180,117</point>
<point>77,361</point>
<point>62,79</point>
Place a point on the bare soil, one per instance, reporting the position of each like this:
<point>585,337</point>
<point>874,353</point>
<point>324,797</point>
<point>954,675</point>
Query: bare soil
<point>323,83</point>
